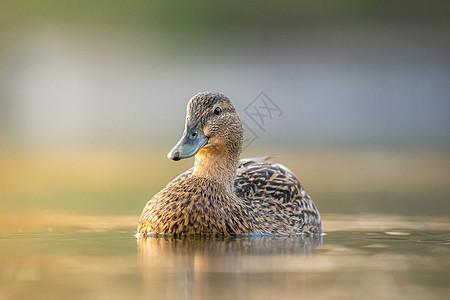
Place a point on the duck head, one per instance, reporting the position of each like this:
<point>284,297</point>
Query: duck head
<point>212,126</point>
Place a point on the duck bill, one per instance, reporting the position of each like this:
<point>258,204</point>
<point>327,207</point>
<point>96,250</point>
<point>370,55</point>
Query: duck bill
<point>189,144</point>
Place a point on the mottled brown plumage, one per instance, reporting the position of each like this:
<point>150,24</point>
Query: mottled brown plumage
<point>222,194</point>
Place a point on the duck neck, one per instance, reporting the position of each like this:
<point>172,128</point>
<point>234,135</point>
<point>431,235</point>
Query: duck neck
<point>218,164</point>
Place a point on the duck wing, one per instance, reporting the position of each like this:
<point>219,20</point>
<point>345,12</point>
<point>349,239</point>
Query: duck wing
<point>277,195</point>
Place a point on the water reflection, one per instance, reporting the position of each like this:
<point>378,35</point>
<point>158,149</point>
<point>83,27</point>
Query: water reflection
<point>201,266</point>
<point>96,257</point>
<point>234,245</point>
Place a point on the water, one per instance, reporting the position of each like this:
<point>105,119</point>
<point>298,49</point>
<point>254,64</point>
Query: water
<point>57,256</point>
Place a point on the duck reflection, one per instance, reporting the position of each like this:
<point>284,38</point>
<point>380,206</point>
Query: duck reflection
<point>207,267</point>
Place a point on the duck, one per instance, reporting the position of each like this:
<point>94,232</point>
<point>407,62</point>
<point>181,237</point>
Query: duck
<point>223,194</point>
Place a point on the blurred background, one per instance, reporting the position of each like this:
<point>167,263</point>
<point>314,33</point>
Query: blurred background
<point>93,96</point>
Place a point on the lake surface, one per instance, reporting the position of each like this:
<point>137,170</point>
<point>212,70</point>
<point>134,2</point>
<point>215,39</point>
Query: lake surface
<point>66,256</point>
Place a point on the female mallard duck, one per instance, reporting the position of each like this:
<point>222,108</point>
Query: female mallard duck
<point>222,194</point>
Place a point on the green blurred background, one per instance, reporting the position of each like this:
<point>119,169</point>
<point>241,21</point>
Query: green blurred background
<point>93,96</point>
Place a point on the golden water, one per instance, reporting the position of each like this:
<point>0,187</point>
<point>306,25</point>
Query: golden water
<point>67,256</point>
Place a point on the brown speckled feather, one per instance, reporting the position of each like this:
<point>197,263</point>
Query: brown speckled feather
<point>195,205</point>
<point>268,190</point>
<point>283,204</point>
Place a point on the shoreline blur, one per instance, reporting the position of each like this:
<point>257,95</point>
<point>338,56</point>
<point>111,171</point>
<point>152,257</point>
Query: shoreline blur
<point>120,180</point>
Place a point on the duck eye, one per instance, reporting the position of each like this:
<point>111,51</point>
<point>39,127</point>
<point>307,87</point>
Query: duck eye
<point>217,110</point>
